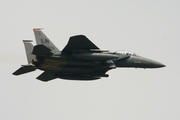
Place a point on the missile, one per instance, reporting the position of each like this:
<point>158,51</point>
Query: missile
<point>95,56</point>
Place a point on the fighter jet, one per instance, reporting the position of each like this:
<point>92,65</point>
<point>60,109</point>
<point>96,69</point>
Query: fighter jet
<point>79,60</point>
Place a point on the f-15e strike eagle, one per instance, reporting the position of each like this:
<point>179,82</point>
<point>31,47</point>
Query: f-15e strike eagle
<point>79,60</point>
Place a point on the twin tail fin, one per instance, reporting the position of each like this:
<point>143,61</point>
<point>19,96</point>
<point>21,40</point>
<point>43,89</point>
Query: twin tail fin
<point>42,39</point>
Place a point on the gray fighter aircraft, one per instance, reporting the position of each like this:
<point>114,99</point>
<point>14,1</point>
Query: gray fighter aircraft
<point>79,60</point>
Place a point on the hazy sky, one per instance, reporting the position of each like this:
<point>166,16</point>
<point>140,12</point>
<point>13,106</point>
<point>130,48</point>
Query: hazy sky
<point>149,28</point>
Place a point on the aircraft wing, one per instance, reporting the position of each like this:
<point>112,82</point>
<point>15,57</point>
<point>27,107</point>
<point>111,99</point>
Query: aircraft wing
<point>79,43</point>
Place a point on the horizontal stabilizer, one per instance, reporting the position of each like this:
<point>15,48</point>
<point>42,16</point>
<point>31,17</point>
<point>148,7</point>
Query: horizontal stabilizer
<point>41,50</point>
<point>46,76</point>
<point>24,69</point>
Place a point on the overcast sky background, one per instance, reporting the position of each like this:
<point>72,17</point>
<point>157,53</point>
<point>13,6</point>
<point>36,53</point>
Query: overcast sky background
<point>149,28</point>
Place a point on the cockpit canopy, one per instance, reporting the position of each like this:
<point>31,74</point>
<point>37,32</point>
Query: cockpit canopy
<point>125,52</point>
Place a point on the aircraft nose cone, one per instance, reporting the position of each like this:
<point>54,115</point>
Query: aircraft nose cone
<point>148,63</point>
<point>158,65</point>
<point>153,64</point>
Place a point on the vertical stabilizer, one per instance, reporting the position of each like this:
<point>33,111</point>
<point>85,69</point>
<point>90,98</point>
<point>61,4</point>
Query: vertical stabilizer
<point>29,48</point>
<point>41,38</point>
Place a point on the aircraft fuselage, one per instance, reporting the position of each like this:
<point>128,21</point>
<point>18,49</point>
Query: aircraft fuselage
<point>79,66</point>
